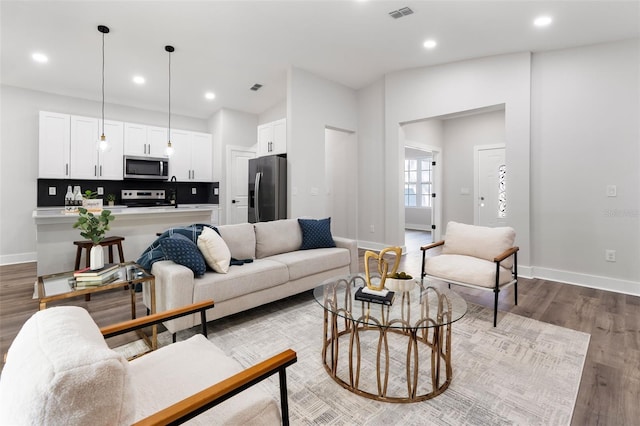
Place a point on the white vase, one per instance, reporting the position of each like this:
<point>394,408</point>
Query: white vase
<point>96,257</point>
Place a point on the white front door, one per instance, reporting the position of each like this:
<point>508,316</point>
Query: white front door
<point>238,184</point>
<point>490,207</point>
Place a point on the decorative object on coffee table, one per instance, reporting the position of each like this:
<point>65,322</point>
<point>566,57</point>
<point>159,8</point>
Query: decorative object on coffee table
<point>93,228</point>
<point>382,266</point>
<point>400,281</point>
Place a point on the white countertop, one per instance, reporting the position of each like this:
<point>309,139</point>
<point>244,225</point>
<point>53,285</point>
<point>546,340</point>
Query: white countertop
<point>57,215</point>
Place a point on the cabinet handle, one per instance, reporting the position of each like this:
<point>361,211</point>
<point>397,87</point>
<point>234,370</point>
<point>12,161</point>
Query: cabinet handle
<point>101,170</point>
<point>66,169</point>
<point>95,170</point>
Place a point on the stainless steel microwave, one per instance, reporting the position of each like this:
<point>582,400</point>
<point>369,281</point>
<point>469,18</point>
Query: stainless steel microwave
<point>136,167</point>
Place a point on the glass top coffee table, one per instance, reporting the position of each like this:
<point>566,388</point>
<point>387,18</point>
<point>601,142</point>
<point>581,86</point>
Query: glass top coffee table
<point>62,286</point>
<point>398,339</point>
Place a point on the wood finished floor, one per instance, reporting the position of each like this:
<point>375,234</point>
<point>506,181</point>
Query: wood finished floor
<point>610,387</point>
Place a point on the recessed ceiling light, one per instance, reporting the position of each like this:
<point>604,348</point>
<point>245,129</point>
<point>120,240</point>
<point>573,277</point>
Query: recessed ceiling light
<point>210,95</point>
<point>430,44</point>
<point>542,21</point>
<point>40,57</point>
<point>138,79</point>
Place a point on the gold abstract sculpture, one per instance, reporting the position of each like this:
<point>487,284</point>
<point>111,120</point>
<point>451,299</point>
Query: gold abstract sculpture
<point>383,265</point>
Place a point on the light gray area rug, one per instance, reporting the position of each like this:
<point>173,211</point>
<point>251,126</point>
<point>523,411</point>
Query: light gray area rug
<point>523,372</point>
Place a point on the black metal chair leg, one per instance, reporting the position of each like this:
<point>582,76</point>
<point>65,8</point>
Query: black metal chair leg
<point>495,309</point>
<point>284,403</point>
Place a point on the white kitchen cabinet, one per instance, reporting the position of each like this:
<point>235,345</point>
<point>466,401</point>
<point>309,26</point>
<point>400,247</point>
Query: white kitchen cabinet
<point>146,141</point>
<point>192,158</point>
<point>272,138</point>
<point>86,159</point>
<point>54,145</point>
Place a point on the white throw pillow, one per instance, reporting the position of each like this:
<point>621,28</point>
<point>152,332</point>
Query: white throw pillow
<point>214,250</point>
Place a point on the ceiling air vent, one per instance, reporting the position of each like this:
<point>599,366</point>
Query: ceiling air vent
<point>256,87</point>
<point>404,11</point>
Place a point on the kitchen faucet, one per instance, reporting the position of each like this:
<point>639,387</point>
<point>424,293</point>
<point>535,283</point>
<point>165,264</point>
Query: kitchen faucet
<point>175,191</point>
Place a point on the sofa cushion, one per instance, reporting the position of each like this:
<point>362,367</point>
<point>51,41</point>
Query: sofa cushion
<point>184,252</point>
<point>240,280</point>
<point>241,240</point>
<point>278,236</point>
<point>214,250</point>
<point>60,370</point>
<point>479,241</point>
<point>204,364</point>
<point>303,263</point>
<point>466,269</point>
<point>316,233</point>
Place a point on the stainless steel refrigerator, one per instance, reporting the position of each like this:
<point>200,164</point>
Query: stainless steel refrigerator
<point>267,188</point>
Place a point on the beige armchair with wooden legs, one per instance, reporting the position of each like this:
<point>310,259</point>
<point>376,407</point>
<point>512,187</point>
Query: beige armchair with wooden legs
<point>474,256</point>
<point>59,370</point>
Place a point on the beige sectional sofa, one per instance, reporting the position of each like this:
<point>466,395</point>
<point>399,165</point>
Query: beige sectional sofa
<point>279,269</point>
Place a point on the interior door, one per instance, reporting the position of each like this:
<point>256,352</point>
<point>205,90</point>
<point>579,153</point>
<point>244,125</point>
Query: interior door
<point>237,176</point>
<point>491,187</point>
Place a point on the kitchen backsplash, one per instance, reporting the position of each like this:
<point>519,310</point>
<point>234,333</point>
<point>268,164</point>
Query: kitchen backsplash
<point>205,193</point>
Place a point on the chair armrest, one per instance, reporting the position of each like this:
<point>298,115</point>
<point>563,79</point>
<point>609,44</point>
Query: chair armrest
<point>505,254</point>
<point>220,392</point>
<point>138,323</point>
<point>432,245</point>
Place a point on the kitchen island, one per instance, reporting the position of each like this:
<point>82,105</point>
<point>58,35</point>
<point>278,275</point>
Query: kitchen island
<point>55,232</point>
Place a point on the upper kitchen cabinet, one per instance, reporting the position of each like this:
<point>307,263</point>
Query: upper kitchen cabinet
<point>146,141</point>
<point>86,159</point>
<point>54,145</point>
<point>192,159</point>
<point>272,138</point>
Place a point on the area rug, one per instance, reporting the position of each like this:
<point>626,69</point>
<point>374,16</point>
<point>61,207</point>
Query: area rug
<point>523,372</point>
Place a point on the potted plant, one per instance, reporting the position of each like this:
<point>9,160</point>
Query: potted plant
<point>400,281</point>
<point>111,199</point>
<point>93,227</point>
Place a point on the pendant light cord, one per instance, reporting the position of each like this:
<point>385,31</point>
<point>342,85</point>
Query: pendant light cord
<point>102,84</point>
<point>169,134</point>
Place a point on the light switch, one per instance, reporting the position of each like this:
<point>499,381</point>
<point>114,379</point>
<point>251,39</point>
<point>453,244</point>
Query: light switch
<point>100,190</point>
<point>612,191</point>
<point>314,191</point>
<point>464,191</point>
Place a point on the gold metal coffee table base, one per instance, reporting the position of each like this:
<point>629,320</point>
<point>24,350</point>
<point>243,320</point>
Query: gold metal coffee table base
<point>436,339</point>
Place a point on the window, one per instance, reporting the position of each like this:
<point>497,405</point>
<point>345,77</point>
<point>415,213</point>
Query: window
<point>417,182</point>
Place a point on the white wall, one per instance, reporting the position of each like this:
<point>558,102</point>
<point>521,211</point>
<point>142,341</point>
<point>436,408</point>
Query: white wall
<point>422,93</point>
<point>313,104</point>
<point>585,135</point>
<point>230,127</point>
<point>19,157</point>
<point>276,112</point>
<point>371,171</point>
<point>460,135</point>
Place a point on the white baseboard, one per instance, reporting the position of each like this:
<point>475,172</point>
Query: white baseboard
<point>9,259</point>
<point>586,280</point>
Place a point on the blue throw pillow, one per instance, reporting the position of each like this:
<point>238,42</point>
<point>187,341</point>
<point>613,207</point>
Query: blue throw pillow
<point>184,252</point>
<point>316,233</point>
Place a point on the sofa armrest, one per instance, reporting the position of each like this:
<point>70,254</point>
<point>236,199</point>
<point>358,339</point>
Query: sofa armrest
<point>352,246</point>
<point>220,392</point>
<point>174,289</point>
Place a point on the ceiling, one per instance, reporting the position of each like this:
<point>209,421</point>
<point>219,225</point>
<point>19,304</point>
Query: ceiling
<point>227,46</point>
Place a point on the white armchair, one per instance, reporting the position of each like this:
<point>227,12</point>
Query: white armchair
<point>475,256</point>
<point>59,370</point>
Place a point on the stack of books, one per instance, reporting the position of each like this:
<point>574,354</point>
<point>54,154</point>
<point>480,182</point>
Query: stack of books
<point>383,297</point>
<point>97,277</point>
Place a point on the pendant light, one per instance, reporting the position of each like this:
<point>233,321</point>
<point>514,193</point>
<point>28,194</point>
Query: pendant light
<point>103,143</point>
<point>169,151</point>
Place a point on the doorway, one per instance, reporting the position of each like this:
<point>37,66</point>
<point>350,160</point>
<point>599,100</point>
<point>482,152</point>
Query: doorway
<point>238,183</point>
<point>341,181</point>
<point>490,188</point>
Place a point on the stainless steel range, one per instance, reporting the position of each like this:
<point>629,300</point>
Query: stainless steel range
<point>144,197</point>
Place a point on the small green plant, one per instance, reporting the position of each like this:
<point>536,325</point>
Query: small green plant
<point>89,194</point>
<point>400,276</point>
<point>111,197</point>
<point>93,227</point>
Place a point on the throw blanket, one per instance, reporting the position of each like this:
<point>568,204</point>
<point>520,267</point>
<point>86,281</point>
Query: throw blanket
<point>154,253</point>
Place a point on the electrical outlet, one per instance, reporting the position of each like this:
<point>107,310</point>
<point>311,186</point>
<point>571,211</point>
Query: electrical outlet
<point>610,255</point>
<point>52,190</point>
<point>612,191</point>
<point>100,190</point>
<point>193,191</point>
<point>372,228</point>
<point>216,191</point>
